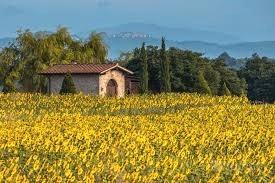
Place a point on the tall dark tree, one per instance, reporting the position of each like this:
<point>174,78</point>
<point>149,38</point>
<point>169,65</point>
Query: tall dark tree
<point>259,73</point>
<point>230,76</point>
<point>224,90</point>
<point>9,68</point>
<point>213,78</point>
<point>202,85</point>
<point>153,68</point>
<point>68,86</point>
<point>177,70</point>
<point>165,68</point>
<point>185,68</point>
<point>144,70</point>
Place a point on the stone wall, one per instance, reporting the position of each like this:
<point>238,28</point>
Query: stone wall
<point>116,75</point>
<point>85,83</point>
<point>90,83</point>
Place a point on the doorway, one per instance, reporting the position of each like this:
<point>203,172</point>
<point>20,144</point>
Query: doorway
<point>111,88</point>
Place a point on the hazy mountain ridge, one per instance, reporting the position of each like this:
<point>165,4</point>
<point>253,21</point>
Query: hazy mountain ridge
<point>210,43</point>
<point>126,37</point>
<point>117,44</point>
<point>239,50</point>
<point>179,34</point>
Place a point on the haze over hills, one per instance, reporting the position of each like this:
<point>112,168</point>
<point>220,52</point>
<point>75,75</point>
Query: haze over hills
<point>177,34</point>
<point>126,37</point>
<point>212,50</point>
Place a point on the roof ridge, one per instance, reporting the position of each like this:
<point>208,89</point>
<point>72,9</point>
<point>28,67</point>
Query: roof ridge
<point>83,68</point>
<point>88,64</point>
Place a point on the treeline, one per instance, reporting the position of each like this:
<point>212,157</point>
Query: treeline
<point>259,73</point>
<point>191,72</point>
<point>31,53</point>
<point>188,72</point>
<point>160,69</point>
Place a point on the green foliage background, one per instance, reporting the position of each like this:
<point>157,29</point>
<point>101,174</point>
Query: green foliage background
<point>68,86</point>
<point>160,69</point>
<point>192,72</point>
<point>31,53</point>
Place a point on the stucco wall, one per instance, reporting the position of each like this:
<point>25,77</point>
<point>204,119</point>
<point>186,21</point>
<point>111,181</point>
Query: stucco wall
<point>91,84</point>
<point>85,83</point>
<point>116,75</point>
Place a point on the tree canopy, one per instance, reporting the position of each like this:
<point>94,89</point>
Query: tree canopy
<point>33,52</point>
<point>189,71</point>
<point>259,73</point>
<point>165,68</point>
<point>224,90</point>
<point>144,70</point>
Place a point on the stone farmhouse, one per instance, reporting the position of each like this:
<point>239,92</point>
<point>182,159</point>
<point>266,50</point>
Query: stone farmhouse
<point>98,79</point>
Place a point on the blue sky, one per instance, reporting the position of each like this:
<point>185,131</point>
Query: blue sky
<point>250,20</point>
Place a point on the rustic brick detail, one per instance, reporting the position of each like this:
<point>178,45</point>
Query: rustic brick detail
<point>91,79</point>
<point>116,75</point>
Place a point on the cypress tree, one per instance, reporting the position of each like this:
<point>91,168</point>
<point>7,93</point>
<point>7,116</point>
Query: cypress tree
<point>144,70</point>
<point>203,86</point>
<point>165,68</point>
<point>224,90</point>
<point>68,85</point>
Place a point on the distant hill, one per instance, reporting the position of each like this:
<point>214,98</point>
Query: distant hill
<point>238,50</point>
<point>178,34</point>
<point>129,36</point>
<point>263,48</point>
<point>118,44</point>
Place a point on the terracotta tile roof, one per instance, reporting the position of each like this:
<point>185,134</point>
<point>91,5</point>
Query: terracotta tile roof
<point>82,69</point>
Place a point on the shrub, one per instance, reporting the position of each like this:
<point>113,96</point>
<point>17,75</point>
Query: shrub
<point>68,85</point>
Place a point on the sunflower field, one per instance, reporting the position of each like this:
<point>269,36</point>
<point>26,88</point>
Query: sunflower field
<point>154,138</point>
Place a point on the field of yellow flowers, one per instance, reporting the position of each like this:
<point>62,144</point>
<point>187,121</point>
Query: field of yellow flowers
<point>155,138</point>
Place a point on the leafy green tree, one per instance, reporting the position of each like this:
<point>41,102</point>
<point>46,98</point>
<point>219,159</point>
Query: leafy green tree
<point>224,90</point>
<point>184,71</point>
<point>152,53</point>
<point>9,68</point>
<point>177,70</point>
<point>37,51</point>
<point>125,57</point>
<point>165,68</point>
<point>259,74</point>
<point>68,86</point>
<point>203,87</point>
<point>98,47</point>
<point>231,62</point>
<point>144,69</point>
<point>230,77</point>
<point>213,78</point>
